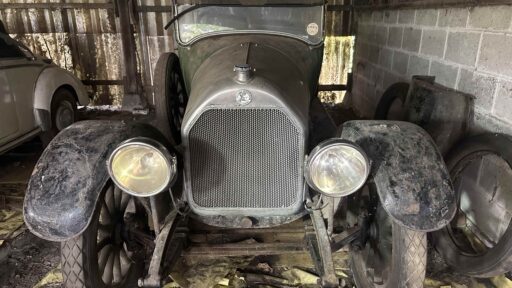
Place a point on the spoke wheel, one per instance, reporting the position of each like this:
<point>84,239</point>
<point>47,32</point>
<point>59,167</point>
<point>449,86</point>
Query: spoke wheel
<point>391,255</point>
<point>378,249</point>
<point>114,259</point>
<point>170,96</point>
<point>102,256</point>
<point>177,102</point>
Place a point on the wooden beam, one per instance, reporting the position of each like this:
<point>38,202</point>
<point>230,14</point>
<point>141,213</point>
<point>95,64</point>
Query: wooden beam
<point>338,7</point>
<point>154,9</point>
<point>417,4</point>
<point>56,6</point>
<point>332,87</point>
<point>103,82</point>
<point>245,249</point>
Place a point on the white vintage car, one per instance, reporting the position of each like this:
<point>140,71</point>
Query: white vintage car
<point>36,96</point>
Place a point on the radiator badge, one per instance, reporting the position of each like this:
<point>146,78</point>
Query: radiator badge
<point>243,97</point>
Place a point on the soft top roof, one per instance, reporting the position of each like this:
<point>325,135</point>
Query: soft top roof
<point>253,2</point>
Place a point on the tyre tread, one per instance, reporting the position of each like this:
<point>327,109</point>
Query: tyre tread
<point>72,253</point>
<point>160,100</point>
<point>414,258</point>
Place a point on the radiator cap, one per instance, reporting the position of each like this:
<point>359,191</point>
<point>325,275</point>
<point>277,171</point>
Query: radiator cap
<point>243,72</point>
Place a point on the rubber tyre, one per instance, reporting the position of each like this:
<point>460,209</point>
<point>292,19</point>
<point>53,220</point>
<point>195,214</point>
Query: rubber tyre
<point>79,264</point>
<point>496,260</point>
<point>397,91</point>
<point>409,260</point>
<point>166,96</point>
<point>62,95</point>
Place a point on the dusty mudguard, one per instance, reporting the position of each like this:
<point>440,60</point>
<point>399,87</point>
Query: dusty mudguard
<point>412,181</point>
<point>67,179</point>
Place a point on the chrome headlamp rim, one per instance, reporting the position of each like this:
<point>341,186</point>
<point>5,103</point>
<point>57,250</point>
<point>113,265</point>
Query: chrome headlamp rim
<point>170,160</point>
<point>324,145</point>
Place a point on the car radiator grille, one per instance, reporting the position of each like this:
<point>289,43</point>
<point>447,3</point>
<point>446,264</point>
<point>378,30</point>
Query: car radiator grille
<point>245,158</point>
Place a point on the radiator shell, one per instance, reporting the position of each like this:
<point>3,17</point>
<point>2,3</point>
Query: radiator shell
<point>276,115</point>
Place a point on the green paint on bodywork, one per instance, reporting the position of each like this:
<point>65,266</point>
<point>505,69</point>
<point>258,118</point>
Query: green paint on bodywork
<point>308,58</point>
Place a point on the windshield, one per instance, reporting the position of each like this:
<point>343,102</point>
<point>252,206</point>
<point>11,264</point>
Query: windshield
<point>305,23</point>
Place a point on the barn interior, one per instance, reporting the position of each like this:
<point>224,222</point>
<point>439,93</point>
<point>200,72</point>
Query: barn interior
<point>379,59</point>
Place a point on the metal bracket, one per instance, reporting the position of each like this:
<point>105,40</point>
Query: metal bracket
<point>320,250</point>
<point>170,231</point>
<point>344,238</point>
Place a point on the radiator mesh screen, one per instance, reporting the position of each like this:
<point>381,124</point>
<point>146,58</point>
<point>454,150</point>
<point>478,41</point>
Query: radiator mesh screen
<point>245,158</point>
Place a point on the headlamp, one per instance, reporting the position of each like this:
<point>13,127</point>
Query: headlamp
<point>142,167</point>
<point>337,168</point>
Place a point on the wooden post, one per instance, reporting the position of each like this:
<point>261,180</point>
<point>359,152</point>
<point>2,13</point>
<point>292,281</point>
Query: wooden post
<point>132,98</point>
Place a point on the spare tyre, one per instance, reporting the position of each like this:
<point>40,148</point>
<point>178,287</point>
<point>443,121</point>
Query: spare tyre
<point>171,97</point>
<point>391,104</point>
<point>478,241</point>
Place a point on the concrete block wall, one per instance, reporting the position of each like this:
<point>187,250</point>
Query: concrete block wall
<point>468,49</point>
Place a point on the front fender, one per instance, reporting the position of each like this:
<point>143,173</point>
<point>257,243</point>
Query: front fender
<point>50,79</point>
<point>66,181</point>
<point>410,175</point>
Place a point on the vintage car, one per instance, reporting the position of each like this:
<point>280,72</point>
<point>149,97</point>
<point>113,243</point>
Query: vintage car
<point>37,98</point>
<point>240,144</point>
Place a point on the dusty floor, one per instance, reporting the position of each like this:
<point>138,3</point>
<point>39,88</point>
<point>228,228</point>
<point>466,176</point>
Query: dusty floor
<point>24,258</point>
<point>27,261</point>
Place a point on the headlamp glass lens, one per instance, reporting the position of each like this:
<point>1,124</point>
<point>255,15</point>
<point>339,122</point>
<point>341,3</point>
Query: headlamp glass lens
<point>338,170</point>
<point>141,169</point>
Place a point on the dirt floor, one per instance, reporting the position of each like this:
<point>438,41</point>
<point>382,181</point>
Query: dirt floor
<point>27,261</point>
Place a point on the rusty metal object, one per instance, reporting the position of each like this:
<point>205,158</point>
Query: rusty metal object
<point>237,221</point>
<point>344,238</point>
<point>155,272</point>
<point>320,250</point>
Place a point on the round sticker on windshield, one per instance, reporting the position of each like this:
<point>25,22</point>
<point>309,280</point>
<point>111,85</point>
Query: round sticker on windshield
<point>312,29</point>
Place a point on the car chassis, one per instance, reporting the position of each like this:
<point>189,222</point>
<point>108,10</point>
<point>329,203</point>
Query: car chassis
<point>316,242</point>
